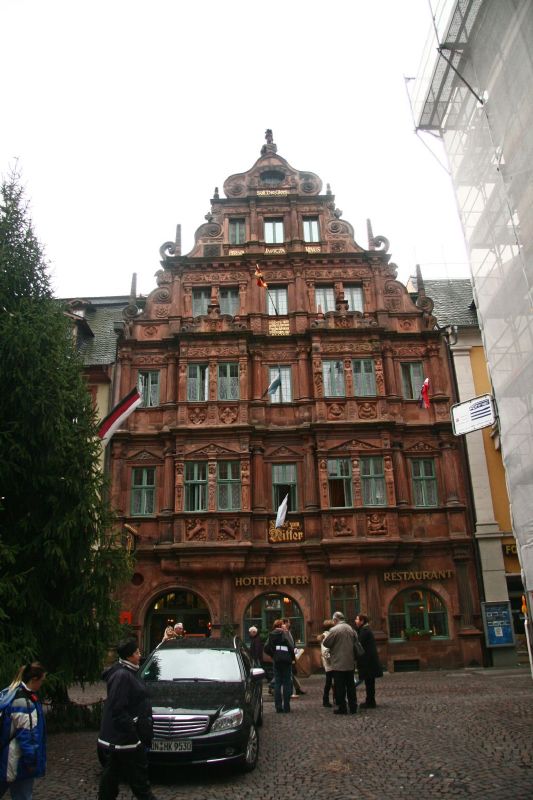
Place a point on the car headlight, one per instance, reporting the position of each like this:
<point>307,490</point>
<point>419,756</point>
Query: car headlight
<point>229,719</point>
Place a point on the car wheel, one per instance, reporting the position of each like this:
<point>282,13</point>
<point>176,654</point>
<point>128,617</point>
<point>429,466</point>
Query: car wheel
<point>252,750</point>
<point>259,720</point>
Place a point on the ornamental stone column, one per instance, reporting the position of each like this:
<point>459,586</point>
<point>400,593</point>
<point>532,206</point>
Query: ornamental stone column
<point>303,372</point>
<point>391,386</point>
<point>168,480</point>
<point>310,480</point>
<point>449,473</point>
<point>400,475</point>
<point>256,376</point>
<point>258,480</point>
<point>171,396</point>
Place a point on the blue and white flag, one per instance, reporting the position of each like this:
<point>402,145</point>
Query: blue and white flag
<point>282,512</point>
<point>274,385</point>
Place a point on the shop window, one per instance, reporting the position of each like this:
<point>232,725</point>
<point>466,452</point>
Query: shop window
<point>340,482</point>
<point>325,298</point>
<point>237,232</point>
<point>311,231</point>
<point>418,608</point>
<point>228,381</point>
<point>229,485</point>
<point>197,382</point>
<point>364,379</point>
<point>274,231</point>
<point>333,374</point>
<point>283,393</point>
<point>143,491</point>
<point>148,385</point>
<point>284,483</point>
<point>412,379</point>
<point>344,597</point>
<point>373,481</point>
<point>229,301</point>
<point>200,300</point>
<point>196,486</point>
<point>265,608</point>
<point>277,301</point>
<point>424,482</point>
<point>354,296</point>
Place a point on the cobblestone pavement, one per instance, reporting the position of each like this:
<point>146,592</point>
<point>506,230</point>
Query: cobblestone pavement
<point>463,734</point>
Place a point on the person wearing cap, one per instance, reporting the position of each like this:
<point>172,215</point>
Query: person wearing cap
<point>256,646</point>
<point>126,729</point>
<point>340,643</point>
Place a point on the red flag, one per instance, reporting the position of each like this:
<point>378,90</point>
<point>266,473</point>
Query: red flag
<point>118,414</point>
<point>260,280</point>
<point>423,401</point>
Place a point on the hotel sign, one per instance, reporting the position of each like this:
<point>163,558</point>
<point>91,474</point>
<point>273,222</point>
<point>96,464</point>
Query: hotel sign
<point>289,532</point>
<point>273,580</point>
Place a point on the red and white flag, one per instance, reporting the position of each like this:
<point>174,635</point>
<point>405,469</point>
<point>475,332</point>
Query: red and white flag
<point>259,277</point>
<point>118,414</point>
<point>423,400</point>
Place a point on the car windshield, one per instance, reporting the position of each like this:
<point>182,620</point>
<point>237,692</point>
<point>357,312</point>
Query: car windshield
<point>192,664</point>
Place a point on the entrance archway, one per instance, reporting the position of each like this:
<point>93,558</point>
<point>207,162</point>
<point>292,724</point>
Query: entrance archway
<point>177,605</point>
<point>265,608</point>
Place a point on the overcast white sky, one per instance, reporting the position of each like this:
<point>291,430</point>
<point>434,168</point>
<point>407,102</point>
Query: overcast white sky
<point>124,116</point>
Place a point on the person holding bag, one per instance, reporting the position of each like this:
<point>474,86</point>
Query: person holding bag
<point>341,643</point>
<point>368,665</point>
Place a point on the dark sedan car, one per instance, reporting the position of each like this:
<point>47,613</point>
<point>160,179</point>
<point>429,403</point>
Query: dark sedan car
<point>207,702</point>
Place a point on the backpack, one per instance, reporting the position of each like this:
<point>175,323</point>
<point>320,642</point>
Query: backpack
<point>7,696</point>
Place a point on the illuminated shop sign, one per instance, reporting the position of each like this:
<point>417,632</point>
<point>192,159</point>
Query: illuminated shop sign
<point>422,575</point>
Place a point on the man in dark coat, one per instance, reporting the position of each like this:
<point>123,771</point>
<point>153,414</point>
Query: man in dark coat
<point>368,665</point>
<point>280,648</point>
<point>126,728</point>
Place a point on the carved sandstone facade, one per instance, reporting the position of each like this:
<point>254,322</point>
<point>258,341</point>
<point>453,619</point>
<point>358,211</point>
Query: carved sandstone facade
<point>375,483</point>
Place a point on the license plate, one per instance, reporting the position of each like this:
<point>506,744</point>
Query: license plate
<point>171,746</point>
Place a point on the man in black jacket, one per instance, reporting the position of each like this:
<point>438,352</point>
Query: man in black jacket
<point>126,728</point>
<point>281,649</point>
<point>368,665</point>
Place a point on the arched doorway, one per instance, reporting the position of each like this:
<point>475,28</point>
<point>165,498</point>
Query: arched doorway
<point>176,605</point>
<point>265,608</point>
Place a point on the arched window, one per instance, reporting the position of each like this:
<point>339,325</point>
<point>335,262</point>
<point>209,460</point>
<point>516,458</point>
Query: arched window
<point>418,608</point>
<point>178,605</point>
<point>265,608</point>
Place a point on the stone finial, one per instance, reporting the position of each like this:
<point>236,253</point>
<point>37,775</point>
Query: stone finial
<point>269,148</point>
<point>328,188</point>
<point>177,245</point>
<point>216,195</point>
<point>133,290</point>
<point>370,235</point>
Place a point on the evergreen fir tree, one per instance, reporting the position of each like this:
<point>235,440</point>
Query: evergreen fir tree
<point>60,559</point>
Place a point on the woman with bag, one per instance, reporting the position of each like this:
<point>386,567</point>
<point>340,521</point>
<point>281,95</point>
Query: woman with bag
<point>23,735</point>
<point>368,666</point>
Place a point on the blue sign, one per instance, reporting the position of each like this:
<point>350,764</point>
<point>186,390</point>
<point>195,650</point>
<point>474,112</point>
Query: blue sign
<point>498,624</point>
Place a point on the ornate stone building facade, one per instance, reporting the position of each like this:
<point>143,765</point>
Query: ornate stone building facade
<point>377,510</point>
